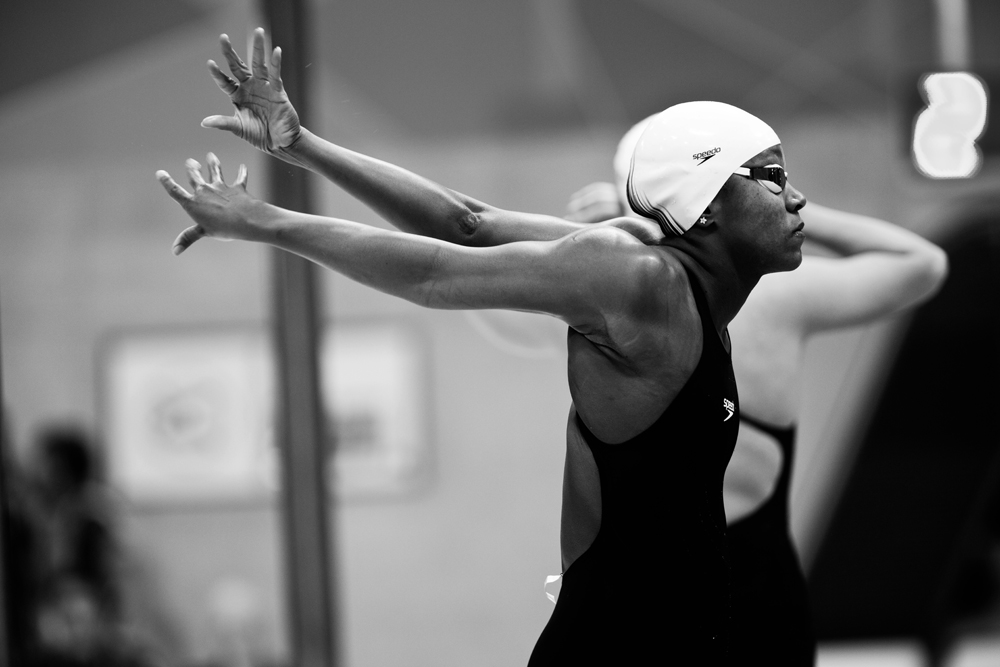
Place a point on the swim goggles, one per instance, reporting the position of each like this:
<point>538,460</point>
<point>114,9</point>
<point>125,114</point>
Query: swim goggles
<point>773,176</point>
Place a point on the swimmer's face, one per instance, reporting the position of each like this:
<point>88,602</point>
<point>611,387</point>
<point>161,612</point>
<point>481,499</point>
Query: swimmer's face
<point>764,227</point>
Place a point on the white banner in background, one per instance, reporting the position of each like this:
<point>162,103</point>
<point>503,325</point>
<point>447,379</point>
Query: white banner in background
<point>188,415</point>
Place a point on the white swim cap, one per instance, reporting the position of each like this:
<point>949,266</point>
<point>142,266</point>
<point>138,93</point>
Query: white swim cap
<point>685,155</point>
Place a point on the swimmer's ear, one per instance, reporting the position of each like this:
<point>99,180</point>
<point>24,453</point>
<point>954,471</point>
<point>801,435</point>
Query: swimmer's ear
<point>707,217</point>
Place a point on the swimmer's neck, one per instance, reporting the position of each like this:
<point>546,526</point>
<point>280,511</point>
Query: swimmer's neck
<point>726,288</point>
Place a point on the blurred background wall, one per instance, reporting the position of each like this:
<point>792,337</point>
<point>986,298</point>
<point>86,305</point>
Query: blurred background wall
<point>516,103</point>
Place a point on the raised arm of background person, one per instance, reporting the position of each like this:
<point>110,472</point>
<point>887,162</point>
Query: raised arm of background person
<point>599,203</point>
<point>587,279</point>
<point>265,118</point>
<point>882,268</point>
<point>595,202</point>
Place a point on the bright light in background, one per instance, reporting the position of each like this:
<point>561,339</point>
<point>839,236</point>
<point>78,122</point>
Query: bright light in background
<point>946,130</point>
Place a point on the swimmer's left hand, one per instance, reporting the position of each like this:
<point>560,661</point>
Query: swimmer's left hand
<point>219,210</point>
<point>264,115</point>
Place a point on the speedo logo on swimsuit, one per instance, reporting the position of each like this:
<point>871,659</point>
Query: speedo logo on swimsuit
<point>729,407</point>
<point>707,155</point>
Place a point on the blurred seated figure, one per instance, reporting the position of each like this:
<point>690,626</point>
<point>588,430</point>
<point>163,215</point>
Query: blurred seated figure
<point>76,610</point>
<point>73,515</point>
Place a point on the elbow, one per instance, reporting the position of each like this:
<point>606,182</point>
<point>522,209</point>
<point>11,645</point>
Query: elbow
<point>467,223</point>
<point>459,224</point>
<point>475,224</point>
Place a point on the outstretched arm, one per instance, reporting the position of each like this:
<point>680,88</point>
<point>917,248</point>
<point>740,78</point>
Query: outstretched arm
<point>265,117</point>
<point>417,205</point>
<point>883,268</point>
<point>580,280</point>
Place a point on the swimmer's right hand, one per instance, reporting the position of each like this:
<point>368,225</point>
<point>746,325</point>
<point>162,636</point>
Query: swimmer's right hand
<point>218,210</point>
<point>264,115</point>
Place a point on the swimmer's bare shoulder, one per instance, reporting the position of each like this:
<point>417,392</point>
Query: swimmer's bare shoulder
<point>666,291</point>
<point>645,230</point>
<point>660,286</point>
<point>623,373</point>
<point>644,285</point>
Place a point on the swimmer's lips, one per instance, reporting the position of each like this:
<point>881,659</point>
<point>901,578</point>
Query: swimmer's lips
<point>797,232</point>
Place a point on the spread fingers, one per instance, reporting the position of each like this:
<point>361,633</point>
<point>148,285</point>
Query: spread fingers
<point>214,168</point>
<point>224,81</point>
<point>236,64</point>
<point>194,173</point>
<point>178,193</point>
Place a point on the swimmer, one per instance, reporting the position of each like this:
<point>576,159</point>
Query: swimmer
<point>877,269</point>
<point>654,411</point>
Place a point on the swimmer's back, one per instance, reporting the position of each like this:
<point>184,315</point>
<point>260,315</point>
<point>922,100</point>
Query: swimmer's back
<point>653,587</point>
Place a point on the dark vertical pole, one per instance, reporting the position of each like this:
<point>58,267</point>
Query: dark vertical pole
<point>5,648</point>
<point>301,423</point>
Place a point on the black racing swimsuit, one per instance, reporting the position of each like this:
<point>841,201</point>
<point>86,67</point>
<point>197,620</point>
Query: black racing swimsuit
<point>771,621</point>
<point>653,587</point>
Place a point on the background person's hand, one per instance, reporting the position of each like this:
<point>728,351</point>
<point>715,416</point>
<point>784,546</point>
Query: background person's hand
<point>596,202</point>
<point>219,211</point>
<point>264,116</point>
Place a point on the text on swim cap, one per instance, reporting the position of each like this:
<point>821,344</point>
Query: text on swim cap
<point>706,155</point>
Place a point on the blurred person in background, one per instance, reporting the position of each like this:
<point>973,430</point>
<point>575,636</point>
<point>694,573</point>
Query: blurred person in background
<point>648,347</point>
<point>77,598</point>
<point>872,269</point>
<point>76,611</point>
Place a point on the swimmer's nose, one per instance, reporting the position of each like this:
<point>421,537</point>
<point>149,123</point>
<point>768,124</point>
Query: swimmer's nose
<point>794,200</point>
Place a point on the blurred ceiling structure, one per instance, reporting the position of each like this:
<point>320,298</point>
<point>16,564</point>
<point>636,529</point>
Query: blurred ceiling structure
<point>533,64</point>
<point>44,38</point>
<point>463,67</point>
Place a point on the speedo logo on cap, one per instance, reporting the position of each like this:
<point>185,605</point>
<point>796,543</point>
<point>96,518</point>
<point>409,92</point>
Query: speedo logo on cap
<point>707,155</point>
